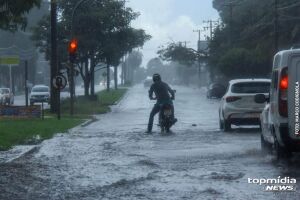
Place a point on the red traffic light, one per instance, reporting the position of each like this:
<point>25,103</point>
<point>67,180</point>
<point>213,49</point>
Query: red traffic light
<point>73,46</point>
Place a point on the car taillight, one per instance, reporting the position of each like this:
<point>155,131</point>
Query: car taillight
<point>284,82</point>
<point>232,99</point>
<point>283,87</point>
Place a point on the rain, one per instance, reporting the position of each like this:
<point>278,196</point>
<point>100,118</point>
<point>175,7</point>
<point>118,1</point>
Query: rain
<point>86,136</point>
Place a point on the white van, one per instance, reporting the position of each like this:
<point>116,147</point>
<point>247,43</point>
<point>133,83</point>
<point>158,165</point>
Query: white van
<point>283,110</point>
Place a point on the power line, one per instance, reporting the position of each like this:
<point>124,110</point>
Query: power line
<point>290,6</point>
<point>211,26</point>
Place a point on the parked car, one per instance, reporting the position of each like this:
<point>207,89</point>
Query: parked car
<point>266,138</point>
<point>1,97</point>
<point>215,90</point>
<point>39,94</point>
<point>7,97</point>
<point>281,119</point>
<point>238,107</point>
<point>148,81</point>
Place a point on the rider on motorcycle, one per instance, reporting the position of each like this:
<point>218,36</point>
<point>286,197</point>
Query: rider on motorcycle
<point>162,93</point>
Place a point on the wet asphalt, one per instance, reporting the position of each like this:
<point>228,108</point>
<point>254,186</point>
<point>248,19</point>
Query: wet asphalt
<point>113,158</point>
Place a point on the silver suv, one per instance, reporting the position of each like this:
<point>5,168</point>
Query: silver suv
<point>6,96</point>
<point>39,94</point>
<point>281,118</point>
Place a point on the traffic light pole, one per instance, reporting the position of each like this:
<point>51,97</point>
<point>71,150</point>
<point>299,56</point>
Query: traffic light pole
<point>26,83</point>
<point>72,88</point>
<point>55,95</point>
<point>72,84</point>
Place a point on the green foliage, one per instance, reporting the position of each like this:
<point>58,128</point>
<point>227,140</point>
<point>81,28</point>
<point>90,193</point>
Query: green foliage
<point>12,13</point>
<point>154,65</point>
<point>86,106</point>
<point>111,97</point>
<point>178,53</point>
<point>239,60</point>
<point>15,132</point>
<point>135,59</point>
<point>250,33</point>
<point>104,37</point>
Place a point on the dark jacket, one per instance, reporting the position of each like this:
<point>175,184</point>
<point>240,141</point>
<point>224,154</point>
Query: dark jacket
<point>162,92</point>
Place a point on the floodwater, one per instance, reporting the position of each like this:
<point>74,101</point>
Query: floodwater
<point>113,158</point>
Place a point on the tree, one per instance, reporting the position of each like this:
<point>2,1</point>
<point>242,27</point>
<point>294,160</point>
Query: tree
<point>154,65</point>
<point>119,43</point>
<point>12,15</point>
<point>105,36</point>
<point>247,29</point>
<point>178,53</point>
<point>133,62</point>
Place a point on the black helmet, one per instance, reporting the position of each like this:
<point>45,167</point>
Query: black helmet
<point>156,78</point>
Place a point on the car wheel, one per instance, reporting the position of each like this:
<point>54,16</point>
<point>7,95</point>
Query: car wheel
<point>221,124</point>
<point>227,126</point>
<point>266,147</point>
<point>281,152</point>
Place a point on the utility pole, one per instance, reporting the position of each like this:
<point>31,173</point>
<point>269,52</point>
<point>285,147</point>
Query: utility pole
<point>26,83</point>
<point>230,5</point>
<point>199,38</point>
<point>211,25</point>
<point>54,97</point>
<point>276,25</point>
<point>198,54</point>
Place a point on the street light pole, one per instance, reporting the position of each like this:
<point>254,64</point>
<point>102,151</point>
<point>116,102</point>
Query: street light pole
<point>72,82</point>
<point>54,66</point>
<point>73,13</point>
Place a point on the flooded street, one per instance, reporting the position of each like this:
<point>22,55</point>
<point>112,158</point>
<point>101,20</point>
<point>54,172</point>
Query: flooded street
<point>113,158</point>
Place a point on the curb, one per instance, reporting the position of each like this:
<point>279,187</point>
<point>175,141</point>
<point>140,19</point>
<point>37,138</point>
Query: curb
<point>88,122</point>
<point>17,152</point>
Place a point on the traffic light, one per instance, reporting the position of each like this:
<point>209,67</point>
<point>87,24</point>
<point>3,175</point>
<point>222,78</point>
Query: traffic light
<point>72,50</point>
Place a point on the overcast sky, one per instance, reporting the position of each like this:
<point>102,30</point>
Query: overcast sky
<point>171,20</point>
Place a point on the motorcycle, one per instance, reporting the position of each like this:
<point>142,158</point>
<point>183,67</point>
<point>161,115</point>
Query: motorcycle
<point>166,117</point>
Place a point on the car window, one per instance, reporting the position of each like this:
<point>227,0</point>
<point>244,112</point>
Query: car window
<point>5,91</point>
<point>277,61</point>
<point>275,80</point>
<point>40,89</point>
<point>251,87</point>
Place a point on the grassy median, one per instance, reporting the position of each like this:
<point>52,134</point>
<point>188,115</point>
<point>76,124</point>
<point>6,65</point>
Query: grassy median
<point>85,106</point>
<point>19,131</point>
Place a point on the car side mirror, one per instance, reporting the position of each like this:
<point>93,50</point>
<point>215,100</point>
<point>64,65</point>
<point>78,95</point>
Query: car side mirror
<point>260,98</point>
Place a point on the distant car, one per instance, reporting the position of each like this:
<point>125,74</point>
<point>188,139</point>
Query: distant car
<point>215,90</point>
<point>39,94</point>
<point>148,82</point>
<point>7,97</point>
<point>238,107</point>
<point>1,97</point>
